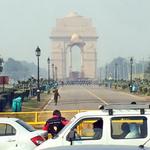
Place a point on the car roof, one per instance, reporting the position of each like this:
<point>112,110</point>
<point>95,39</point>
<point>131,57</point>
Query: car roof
<point>8,119</point>
<point>96,147</point>
<point>115,111</point>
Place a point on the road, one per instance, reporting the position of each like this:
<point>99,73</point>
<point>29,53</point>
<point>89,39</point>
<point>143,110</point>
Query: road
<point>77,97</point>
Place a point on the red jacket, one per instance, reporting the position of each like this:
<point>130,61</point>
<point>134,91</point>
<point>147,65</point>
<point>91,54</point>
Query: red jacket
<point>55,124</point>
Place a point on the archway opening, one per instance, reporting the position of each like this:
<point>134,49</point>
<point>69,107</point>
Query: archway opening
<point>76,59</point>
<point>74,63</point>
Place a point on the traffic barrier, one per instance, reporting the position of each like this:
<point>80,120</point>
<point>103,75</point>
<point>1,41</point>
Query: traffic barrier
<point>38,119</point>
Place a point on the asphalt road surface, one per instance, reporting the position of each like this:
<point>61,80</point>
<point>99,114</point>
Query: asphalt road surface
<point>78,97</point>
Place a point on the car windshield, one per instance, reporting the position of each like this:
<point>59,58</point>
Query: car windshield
<point>25,125</point>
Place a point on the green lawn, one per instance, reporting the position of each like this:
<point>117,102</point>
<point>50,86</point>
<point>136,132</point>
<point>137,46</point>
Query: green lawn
<point>34,105</point>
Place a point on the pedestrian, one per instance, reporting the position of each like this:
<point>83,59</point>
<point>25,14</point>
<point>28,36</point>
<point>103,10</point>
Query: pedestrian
<point>62,83</point>
<point>55,124</point>
<point>56,95</point>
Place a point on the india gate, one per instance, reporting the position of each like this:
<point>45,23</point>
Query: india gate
<point>74,30</point>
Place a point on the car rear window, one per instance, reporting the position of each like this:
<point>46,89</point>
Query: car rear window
<point>25,125</point>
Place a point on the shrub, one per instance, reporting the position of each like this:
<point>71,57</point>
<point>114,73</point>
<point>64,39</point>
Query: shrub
<point>140,89</point>
<point>124,86</point>
<point>145,90</point>
<point>148,93</point>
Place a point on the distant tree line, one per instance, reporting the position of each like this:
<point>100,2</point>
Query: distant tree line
<point>21,70</point>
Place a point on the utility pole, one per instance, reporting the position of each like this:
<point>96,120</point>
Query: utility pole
<point>131,63</point>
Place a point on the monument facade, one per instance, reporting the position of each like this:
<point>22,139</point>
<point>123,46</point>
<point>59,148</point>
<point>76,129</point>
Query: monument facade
<point>74,30</point>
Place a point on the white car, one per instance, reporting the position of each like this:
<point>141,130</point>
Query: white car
<point>15,134</point>
<point>98,147</point>
<point>112,125</point>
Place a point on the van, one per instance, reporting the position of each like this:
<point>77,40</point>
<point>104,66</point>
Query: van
<point>111,125</point>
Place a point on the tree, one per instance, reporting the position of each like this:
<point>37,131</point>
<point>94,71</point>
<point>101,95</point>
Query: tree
<point>21,70</point>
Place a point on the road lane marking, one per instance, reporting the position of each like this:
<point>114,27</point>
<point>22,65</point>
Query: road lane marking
<point>48,104</point>
<point>103,101</point>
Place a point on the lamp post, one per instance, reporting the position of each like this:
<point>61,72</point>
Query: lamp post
<point>56,73</point>
<point>131,63</point>
<point>116,72</point>
<point>38,53</point>
<point>1,64</point>
<point>99,76</point>
<point>106,67</point>
<point>116,75</point>
<point>48,61</point>
<point>53,71</point>
<point>1,69</point>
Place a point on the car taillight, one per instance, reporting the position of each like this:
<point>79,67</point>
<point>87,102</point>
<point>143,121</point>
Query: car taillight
<point>37,140</point>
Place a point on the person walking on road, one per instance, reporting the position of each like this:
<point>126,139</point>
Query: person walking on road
<point>56,95</point>
<point>56,123</point>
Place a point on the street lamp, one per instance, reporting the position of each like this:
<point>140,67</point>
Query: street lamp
<point>38,53</point>
<point>48,61</point>
<point>53,71</point>
<point>106,67</point>
<point>1,64</point>
<point>56,72</point>
<point>116,71</point>
<point>99,76</point>
<point>131,63</point>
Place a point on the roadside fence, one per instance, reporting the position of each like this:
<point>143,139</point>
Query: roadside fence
<point>38,119</point>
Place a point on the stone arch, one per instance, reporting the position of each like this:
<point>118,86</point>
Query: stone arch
<point>73,30</point>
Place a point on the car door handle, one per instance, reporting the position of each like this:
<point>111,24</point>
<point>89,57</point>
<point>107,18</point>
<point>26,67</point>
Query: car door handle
<point>11,140</point>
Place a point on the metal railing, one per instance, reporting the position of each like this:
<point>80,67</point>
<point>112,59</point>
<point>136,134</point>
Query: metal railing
<point>38,118</point>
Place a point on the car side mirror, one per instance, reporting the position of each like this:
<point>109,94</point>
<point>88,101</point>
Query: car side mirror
<point>71,136</point>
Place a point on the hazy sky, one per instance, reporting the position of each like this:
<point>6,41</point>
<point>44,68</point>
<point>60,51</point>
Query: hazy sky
<point>123,27</point>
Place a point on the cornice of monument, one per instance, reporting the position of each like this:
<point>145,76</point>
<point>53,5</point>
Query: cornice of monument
<point>68,37</point>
